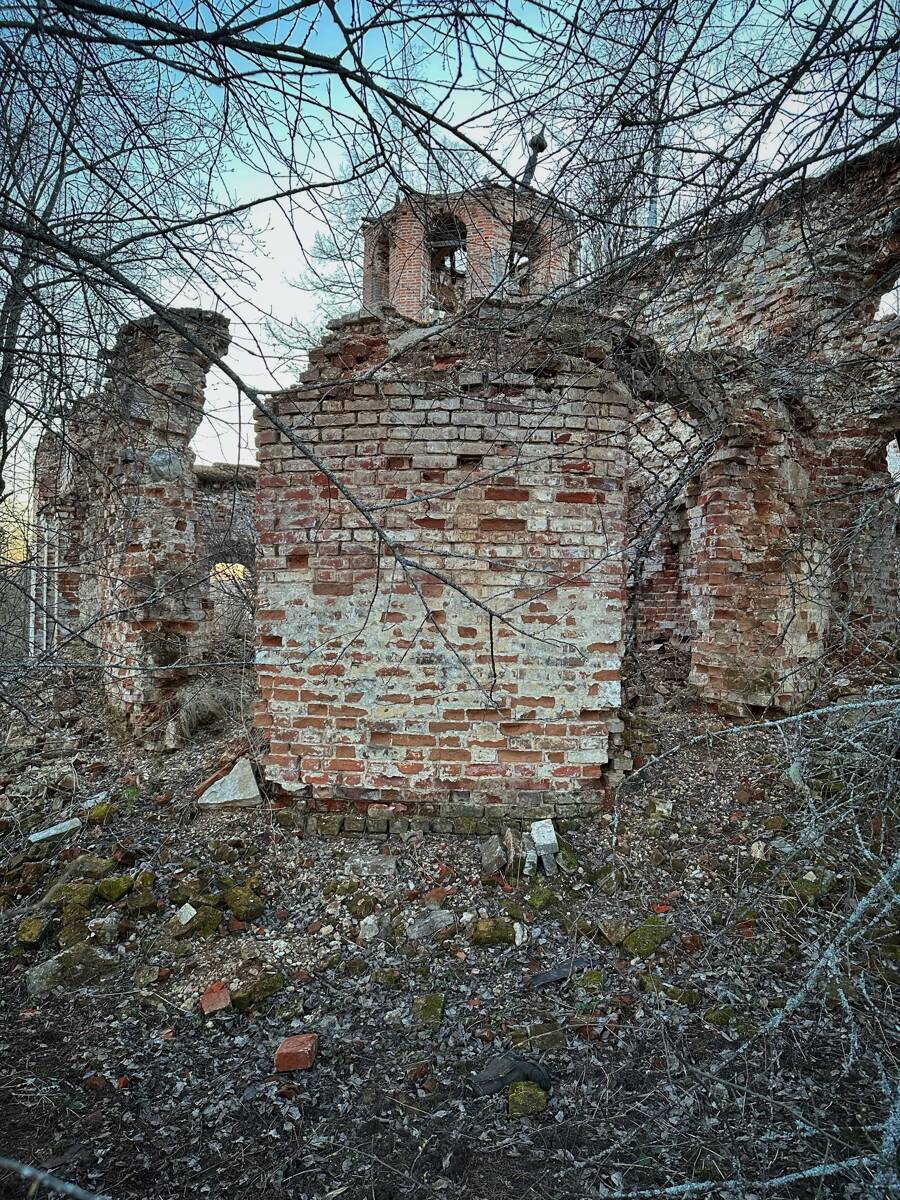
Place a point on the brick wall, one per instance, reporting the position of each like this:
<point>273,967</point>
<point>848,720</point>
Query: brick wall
<point>813,261</point>
<point>126,580</point>
<point>791,564</point>
<point>495,459</point>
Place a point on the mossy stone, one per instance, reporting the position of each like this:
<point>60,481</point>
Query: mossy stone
<point>74,914</point>
<point>429,1010</point>
<point>73,932</point>
<point>649,981</point>
<point>259,991</point>
<point>89,866</point>
<point>32,931</point>
<point>140,899</point>
<point>545,1035</point>
<point>244,903</point>
<point>388,977</point>
<point>526,1099</point>
<point>115,888</point>
<point>541,895</point>
<point>690,997</point>
<point>566,858</point>
<point>813,885</point>
<point>592,980</point>
<point>205,923</point>
<point>492,931</point>
<point>777,823</point>
<point>607,880</point>
<point>101,814</point>
<point>329,824</point>
<point>647,938</point>
<point>78,895</point>
<point>720,1015</point>
<point>361,907</point>
<point>74,967</point>
<point>222,852</point>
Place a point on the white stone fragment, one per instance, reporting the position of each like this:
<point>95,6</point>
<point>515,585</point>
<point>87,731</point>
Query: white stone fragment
<point>530,865</point>
<point>186,913</point>
<point>64,827</point>
<point>237,789</point>
<point>374,928</point>
<point>372,866</point>
<point>543,835</point>
<point>423,927</point>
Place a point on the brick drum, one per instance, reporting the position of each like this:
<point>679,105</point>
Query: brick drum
<point>473,652</point>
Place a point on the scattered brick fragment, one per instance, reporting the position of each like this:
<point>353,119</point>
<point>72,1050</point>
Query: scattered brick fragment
<point>215,998</point>
<point>297,1053</point>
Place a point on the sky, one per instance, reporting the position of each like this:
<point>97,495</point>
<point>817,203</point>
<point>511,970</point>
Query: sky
<point>226,432</point>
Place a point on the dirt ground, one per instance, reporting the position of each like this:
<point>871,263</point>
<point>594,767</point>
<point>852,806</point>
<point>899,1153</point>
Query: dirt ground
<point>705,1040</point>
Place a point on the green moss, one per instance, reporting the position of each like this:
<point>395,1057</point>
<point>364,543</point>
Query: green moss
<point>203,923</point>
<point>593,980</point>
<point>649,981</point>
<point>77,895</point>
<point>607,880</point>
<point>32,931</point>
<point>429,1010</point>
<point>720,1015</point>
<point>681,995</point>
<point>360,907</point>
<point>492,931</point>
<point>545,1035</point>
<point>115,888</point>
<point>647,938</point>
<point>101,814</point>
<point>244,903</point>
<point>813,885</point>
<point>541,895</point>
<point>566,858</point>
<point>259,991</point>
<point>73,931</point>
<point>526,1099</point>
<point>388,977</point>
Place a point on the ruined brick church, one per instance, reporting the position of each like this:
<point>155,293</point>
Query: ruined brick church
<point>491,489</point>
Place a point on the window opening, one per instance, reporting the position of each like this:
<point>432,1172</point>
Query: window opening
<point>449,261</point>
<point>524,247</point>
<point>381,269</point>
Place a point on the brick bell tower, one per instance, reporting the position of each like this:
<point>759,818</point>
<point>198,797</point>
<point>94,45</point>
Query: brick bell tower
<point>434,252</point>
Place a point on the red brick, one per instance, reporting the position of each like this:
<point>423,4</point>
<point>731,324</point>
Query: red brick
<point>215,998</point>
<point>297,1053</point>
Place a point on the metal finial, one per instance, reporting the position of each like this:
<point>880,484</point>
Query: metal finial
<point>538,144</point>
